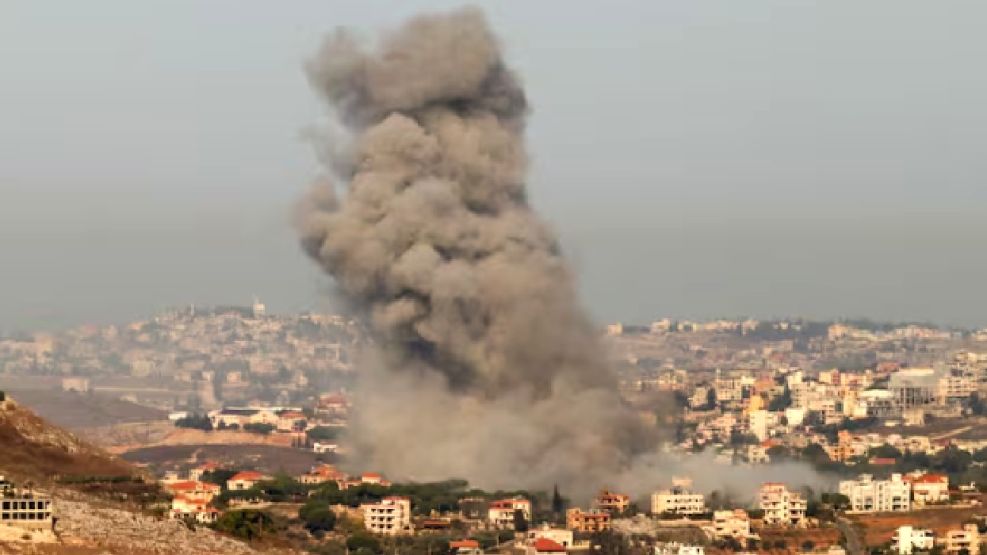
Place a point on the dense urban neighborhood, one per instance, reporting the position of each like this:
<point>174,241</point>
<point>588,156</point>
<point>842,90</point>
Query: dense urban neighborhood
<point>248,435</point>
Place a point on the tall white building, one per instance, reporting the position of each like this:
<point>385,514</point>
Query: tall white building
<point>781,506</point>
<point>391,516</point>
<point>868,495</point>
<point>678,501</point>
<point>908,539</point>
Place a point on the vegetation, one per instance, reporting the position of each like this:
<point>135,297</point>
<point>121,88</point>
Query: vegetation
<point>258,428</point>
<point>317,517</point>
<point>195,421</point>
<point>247,524</point>
<point>323,433</point>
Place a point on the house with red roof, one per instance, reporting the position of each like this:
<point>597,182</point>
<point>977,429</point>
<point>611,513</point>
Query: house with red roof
<point>321,474</point>
<point>929,488</point>
<point>193,490</point>
<point>245,480</point>
<point>183,507</point>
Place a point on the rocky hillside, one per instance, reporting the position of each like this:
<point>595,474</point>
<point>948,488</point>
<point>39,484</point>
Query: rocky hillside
<point>33,449</point>
<point>89,521</point>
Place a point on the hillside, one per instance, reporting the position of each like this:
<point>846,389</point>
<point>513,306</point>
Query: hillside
<point>77,411</point>
<point>34,449</point>
<point>98,518</point>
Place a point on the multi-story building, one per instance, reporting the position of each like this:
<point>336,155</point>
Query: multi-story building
<point>392,516</point>
<point>593,520</point>
<point>500,513</point>
<point>781,506</point>
<point>734,524</point>
<point>868,495</point>
<point>908,539</point>
<point>614,502</point>
<point>560,536</point>
<point>677,501</point>
<point>965,540</point>
<point>24,509</point>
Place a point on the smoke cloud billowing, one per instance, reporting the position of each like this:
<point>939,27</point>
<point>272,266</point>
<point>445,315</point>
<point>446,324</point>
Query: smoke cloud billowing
<point>485,366</point>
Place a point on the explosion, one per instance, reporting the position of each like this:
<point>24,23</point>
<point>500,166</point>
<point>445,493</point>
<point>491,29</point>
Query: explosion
<point>486,367</point>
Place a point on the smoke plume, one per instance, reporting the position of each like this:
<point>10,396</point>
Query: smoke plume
<point>485,367</point>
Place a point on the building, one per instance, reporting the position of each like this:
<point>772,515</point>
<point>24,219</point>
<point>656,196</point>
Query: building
<point>474,509</point>
<point>734,524</point>
<point>545,545</point>
<point>914,387</point>
<point>965,540</point>
<point>196,473</point>
<point>560,536</point>
<point>23,509</point>
<point>76,384</point>
<point>872,496</point>
<point>615,503</point>
<point>500,513</point>
<point>677,501</point>
<point>392,516</point>
<point>781,506</point>
<point>193,490</point>
<point>321,474</point>
<point>465,547</point>
<point>675,548</point>
<point>593,520</point>
<point>187,508</point>
<point>245,480</point>
<point>929,488</point>
<point>908,539</point>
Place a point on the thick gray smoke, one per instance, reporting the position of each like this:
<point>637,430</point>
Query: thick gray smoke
<point>484,367</point>
<point>487,368</point>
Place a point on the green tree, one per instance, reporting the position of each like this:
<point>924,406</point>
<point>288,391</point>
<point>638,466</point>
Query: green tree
<point>246,524</point>
<point>317,517</point>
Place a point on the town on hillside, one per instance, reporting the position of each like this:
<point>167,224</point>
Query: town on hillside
<point>248,415</point>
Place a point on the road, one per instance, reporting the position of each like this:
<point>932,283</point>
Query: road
<point>854,543</point>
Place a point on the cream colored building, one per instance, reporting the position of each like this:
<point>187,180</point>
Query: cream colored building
<point>390,517</point>
<point>781,506</point>
<point>677,501</point>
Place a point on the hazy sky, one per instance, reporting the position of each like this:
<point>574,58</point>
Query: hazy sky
<point>698,158</point>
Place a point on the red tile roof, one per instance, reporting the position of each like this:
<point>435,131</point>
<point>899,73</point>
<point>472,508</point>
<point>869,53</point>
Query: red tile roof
<point>928,479</point>
<point>464,544</point>
<point>545,545</point>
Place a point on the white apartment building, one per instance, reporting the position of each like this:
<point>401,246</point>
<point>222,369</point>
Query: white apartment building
<point>392,516</point>
<point>908,539</point>
<point>781,506</point>
<point>678,501</point>
<point>501,512</point>
<point>868,495</point>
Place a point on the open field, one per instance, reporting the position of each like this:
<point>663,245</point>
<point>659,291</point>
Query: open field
<point>76,411</point>
<point>266,458</point>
